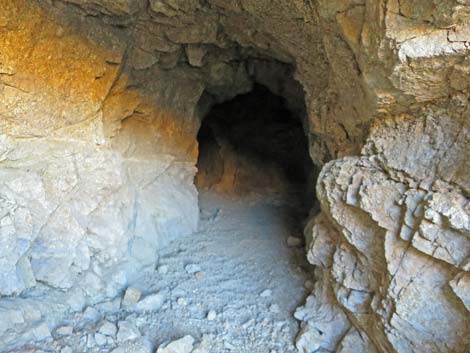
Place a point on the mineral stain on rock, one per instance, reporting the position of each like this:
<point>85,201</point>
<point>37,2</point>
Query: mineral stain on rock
<point>160,159</point>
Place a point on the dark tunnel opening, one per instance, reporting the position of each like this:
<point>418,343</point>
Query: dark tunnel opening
<point>255,142</point>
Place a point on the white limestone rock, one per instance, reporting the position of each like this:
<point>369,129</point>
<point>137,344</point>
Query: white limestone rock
<point>64,331</point>
<point>131,297</point>
<point>150,302</point>
<point>182,345</point>
<point>108,329</point>
<point>139,345</point>
<point>127,331</point>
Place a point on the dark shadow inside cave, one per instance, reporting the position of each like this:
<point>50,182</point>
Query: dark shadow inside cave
<point>255,142</point>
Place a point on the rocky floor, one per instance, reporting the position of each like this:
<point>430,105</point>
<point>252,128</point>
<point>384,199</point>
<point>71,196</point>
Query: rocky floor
<point>231,287</point>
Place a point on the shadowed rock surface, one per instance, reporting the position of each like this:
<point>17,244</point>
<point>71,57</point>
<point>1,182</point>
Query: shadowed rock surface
<point>101,103</point>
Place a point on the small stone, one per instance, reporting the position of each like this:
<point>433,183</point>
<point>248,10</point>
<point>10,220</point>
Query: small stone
<point>77,300</point>
<point>195,54</point>
<point>140,345</point>
<point>41,332</point>
<point>204,345</point>
<point>309,339</point>
<point>182,345</point>
<point>64,331</point>
<point>163,269</point>
<point>131,297</point>
<point>211,315</point>
<point>228,345</point>
<point>274,308</point>
<point>108,329</point>
<point>150,302</point>
<point>181,301</point>
<point>66,349</point>
<point>309,285</point>
<point>127,331</point>
<point>199,275</point>
<point>192,268</point>
<point>100,339</point>
<point>294,241</point>
<point>90,341</point>
<point>266,293</point>
<point>91,314</point>
<point>31,314</point>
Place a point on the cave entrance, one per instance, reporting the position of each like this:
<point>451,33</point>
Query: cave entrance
<point>255,143</point>
<point>255,180</point>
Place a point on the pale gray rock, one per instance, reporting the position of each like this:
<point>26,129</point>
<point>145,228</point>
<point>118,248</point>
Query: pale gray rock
<point>108,329</point>
<point>163,269</point>
<point>140,345</point>
<point>386,224</point>
<point>266,293</point>
<point>461,287</point>
<point>192,268</point>
<point>308,340</point>
<point>211,315</point>
<point>64,331</point>
<point>90,340</point>
<point>293,242</point>
<point>66,349</point>
<point>356,342</point>
<point>150,302</point>
<point>127,331</point>
<point>98,150</point>
<point>204,345</point>
<point>91,314</point>
<point>76,300</point>
<point>100,339</point>
<point>182,345</point>
<point>41,332</point>
<point>131,297</point>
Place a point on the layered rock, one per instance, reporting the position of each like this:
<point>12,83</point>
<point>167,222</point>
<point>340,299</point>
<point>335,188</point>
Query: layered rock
<point>101,101</point>
<point>392,244</point>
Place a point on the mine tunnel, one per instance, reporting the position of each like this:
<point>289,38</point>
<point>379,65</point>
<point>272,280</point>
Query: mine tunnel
<point>255,141</point>
<point>157,178</point>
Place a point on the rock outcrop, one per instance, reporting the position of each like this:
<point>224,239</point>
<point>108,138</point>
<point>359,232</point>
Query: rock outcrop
<point>101,102</point>
<point>392,243</point>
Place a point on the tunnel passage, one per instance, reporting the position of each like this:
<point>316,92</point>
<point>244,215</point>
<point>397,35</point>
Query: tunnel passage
<point>255,142</point>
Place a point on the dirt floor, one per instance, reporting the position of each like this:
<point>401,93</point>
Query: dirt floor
<point>233,287</point>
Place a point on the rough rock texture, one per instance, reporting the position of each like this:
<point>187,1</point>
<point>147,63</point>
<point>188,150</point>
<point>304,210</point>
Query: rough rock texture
<point>100,103</point>
<point>392,244</point>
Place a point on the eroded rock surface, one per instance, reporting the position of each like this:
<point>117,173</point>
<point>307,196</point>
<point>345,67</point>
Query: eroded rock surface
<point>100,104</point>
<point>392,244</point>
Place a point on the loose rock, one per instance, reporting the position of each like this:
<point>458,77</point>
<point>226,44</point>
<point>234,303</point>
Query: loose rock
<point>211,315</point>
<point>127,331</point>
<point>192,268</point>
<point>108,329</point>
<point>64,331</point>
<point>131,297</point>
<point>182,345</point>
<point>150,302</point>
<point>294,241</point>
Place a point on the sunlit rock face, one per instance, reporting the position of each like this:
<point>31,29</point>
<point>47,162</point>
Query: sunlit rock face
<point>393,241</point>
<point>100,106</point>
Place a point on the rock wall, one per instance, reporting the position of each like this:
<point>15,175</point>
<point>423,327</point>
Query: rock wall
<point>392,243</point>
<point>101,101</point>
<point>94,172</point>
